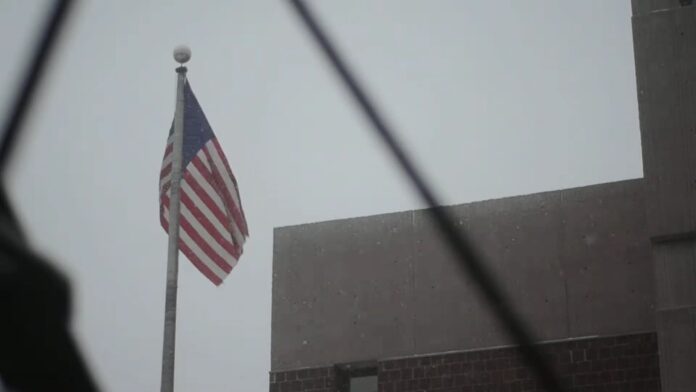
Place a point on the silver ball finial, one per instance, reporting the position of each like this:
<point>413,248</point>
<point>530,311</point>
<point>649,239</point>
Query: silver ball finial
<point>182,54</point>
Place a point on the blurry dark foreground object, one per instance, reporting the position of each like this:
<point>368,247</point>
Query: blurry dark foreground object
<point>37,351</point>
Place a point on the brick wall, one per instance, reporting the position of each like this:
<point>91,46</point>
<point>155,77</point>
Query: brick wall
<point>305,380</point>
<point>624,363</point>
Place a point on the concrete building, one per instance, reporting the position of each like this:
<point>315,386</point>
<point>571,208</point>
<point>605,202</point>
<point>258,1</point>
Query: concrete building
<point>605,275</point>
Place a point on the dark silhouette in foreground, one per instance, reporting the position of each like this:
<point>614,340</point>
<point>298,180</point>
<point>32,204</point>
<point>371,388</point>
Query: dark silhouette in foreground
<point>37,351</point>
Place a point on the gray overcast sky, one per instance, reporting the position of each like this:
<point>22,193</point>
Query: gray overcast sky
<point>493,98</point>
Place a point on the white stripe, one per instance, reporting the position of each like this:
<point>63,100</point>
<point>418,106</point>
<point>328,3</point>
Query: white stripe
<point>165,180</point>
<point>201,255</point>
<point>220,226</point>
<point>224,229</point>
<point>200,180</point>
<point>183,236</point>
<point>169,156</point>
<point>222,169</point>
<point>168,194</point>
<point>203,233</point>
<point>167,159</point>
<point>233,227</point>
<point>238,236</point>
<point>233,263</point>
<point>164,167</point>
<point>204,159</point>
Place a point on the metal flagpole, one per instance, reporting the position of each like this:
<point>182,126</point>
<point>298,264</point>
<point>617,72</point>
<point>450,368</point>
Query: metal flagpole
<point>182,54</point>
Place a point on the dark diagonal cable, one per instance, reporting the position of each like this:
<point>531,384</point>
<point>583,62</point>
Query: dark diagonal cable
<point>455,238</point>
<point>32,78</point>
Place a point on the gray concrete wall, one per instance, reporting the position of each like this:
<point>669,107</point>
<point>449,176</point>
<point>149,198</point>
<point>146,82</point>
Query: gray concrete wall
<point>576,263</point>
<point>664,37</point>
<point>644,7</point>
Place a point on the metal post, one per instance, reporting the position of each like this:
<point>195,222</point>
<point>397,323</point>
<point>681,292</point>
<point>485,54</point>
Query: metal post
<point>168,347</point>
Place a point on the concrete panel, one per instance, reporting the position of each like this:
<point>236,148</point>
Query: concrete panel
<point>518,237</point>
<point>575,263</point>
<point>342,291</point>
<point>666,69</point>
<point>606,260</point>
<point>665,51</point>
<point>675,272</point>
<point>641,7</point>
<point>677,336</point>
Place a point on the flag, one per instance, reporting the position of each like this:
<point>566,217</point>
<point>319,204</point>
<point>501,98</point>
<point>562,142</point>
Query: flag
<point>212,227</point>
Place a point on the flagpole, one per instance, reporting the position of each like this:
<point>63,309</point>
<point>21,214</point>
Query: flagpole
<point>182,54</point>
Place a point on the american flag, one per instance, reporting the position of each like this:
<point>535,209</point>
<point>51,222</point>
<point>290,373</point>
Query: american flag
<point>212,227</point>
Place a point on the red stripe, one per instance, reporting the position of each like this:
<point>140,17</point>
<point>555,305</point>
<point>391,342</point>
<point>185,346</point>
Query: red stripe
<point>194,259</point>
<point>164,202</point>
<point>220,187</point>
<point>203,245</point>
<point>165,199</point>
<point>224,160</point>
<point>199,264</point>
<point>163,221</point>
<point>234,180</point>
<point>234,250</point>
<point>165,171</point>
<point>203,195</point>
<point>203,220</point>
<point>165,188</point>
<point>231,214</point>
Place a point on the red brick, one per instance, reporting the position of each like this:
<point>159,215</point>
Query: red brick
<point>447,382</point>
<point>577,355</point>
<point>627,363</point>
